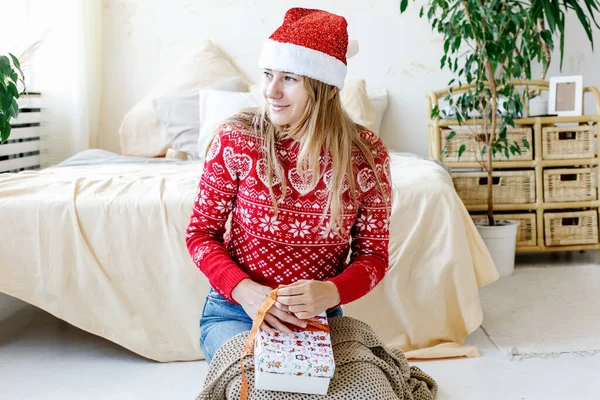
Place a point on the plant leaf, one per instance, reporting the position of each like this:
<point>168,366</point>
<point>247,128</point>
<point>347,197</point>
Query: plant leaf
<point>403,5</point>
<point>584,22</point>
<point>13,109</point>
<point>461,150</point>
<point>4,132</point>
<point>15,61</point>
<point>12,88</point>
<point>562,48</point>
<point>549,14</point>
<point>515,145</point>
<point>5,68</point>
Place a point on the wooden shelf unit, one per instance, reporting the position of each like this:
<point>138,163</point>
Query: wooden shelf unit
<point>538,163</point>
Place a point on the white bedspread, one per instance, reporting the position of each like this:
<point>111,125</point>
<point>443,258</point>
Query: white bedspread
<point>102,247</point>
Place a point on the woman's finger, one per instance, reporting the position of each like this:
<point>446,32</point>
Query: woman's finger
<point>282,307</point>
<point>287,317</point>
<point>292,290</point>
<point>275,323</point>
<point>298,309</point>
<point>267,328</point>
<point>305,315</point>
<point>299,281</point>
<point>293,300</point>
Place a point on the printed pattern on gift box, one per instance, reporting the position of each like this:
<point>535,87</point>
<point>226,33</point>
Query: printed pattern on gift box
<point>309,353</point>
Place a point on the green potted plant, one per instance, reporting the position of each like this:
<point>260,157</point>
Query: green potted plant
<point>10,75</point>
<point>487,46</point>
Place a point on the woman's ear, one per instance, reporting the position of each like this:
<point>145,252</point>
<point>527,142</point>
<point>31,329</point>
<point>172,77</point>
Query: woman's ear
<point>332,91</point>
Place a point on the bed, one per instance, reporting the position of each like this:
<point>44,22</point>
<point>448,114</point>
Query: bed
<point>98,241</point>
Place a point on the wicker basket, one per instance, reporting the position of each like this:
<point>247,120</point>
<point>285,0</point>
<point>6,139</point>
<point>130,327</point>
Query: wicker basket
<point>569,184</point>
<point>510,187</point>
<point>474,139</point>
<point>568,228</point>
<point>562,142</point>
<point>527,233</point>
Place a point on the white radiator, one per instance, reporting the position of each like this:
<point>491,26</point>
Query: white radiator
<point>22,149</point>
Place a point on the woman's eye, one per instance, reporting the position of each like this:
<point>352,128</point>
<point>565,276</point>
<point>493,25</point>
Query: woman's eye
<point>290,78</point>
<point>267,74</point>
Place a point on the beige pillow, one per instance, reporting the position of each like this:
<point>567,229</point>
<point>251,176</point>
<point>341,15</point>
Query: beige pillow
<point>140,131</point>
<point>357,103</point>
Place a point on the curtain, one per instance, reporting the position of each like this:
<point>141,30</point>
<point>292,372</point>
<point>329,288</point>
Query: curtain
<point>65,68</point>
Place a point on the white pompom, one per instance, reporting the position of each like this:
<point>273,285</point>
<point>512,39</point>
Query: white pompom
<point>352,48</point>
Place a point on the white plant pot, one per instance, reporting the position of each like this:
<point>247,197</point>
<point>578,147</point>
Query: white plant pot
<point>501,241</point>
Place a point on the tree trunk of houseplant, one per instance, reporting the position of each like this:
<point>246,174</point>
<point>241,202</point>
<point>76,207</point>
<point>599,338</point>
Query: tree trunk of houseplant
<point>500,237</point>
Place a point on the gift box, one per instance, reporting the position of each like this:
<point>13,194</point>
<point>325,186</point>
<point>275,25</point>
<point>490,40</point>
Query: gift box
<point>303,364</point>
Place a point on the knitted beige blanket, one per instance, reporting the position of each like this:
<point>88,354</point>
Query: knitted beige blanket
<point>364,368</point>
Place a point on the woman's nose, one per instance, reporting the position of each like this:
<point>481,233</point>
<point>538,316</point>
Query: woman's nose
<point>274,89</point>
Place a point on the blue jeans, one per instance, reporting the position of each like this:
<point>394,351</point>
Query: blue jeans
<point>222,319</point>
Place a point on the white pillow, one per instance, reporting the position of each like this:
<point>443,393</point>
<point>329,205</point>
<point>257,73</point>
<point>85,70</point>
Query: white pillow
<point>140,130</point>
<point>178,114</point>
<point>216,106</point>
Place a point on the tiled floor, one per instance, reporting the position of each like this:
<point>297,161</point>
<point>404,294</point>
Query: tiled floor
<point>42,357</point>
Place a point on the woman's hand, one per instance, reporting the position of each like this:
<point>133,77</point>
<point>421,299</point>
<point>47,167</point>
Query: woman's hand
<point>308,298</point>
<point>250,295</point>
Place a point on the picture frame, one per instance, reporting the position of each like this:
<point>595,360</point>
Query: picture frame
<point>566,96</point>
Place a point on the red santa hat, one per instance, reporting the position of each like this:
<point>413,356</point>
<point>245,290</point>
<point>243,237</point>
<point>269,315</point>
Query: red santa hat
<point>312,43</point>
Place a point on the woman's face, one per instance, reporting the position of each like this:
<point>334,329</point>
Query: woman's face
<point>286,96</point>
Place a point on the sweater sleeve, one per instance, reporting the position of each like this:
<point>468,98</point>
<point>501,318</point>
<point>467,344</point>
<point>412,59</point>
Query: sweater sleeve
<point>214,202</point>
<point>370,238</point>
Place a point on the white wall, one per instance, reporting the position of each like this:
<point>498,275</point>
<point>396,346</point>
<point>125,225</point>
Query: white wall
<point>144,38</point>
<point>579,59</point>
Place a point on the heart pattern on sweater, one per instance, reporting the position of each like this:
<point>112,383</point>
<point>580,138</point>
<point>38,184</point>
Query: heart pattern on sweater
<point>365,179</point>
<point>327,177</point>
<point>215,146</point>
<point>322,194</point>
<point>302,186</point>
<point>327,180</point>
<point>218,169</point>
<point>251,182</point>
<point>261,172</point>
<point>238,165</point>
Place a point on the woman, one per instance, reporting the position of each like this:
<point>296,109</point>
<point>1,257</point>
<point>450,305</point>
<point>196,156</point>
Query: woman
<point>281,173</point>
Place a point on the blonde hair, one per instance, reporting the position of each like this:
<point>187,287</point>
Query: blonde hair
<point>324,125</point>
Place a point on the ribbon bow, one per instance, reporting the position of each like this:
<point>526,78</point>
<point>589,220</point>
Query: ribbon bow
<point>260,316</point>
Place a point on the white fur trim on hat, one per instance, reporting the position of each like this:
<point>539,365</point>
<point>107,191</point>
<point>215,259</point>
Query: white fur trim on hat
<point>299,60</point>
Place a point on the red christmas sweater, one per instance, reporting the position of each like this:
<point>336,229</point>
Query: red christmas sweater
<point>280,250</point>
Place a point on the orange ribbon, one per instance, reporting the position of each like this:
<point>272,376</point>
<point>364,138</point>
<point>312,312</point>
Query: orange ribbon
<point>260,317</point>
